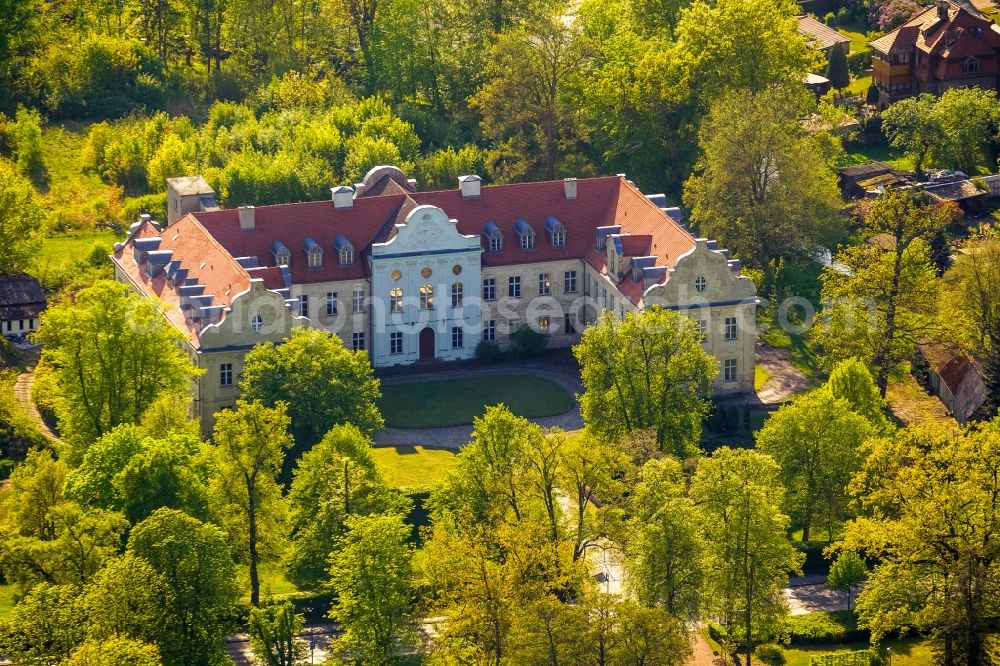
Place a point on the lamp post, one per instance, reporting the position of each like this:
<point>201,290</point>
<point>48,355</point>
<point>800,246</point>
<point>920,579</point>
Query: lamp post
<point>890,656</point>
<point>312,638</point>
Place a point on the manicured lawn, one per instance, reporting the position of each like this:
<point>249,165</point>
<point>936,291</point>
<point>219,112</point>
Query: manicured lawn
<point>413,468</point>
<point>905,652</point>
<point>800,352</point>
<point>457,401</point>
<point>857,31</point>
<point>860,84</point>
<point>272,580</point>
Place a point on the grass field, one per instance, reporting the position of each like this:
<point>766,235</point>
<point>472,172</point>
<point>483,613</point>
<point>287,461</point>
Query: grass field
<point>760,377</point>
<point>272,580</point>
<point>413,468</point>
<point>905,652</point>
<point>64,249</point>
<point>75,198</point>
<point>882,152</point>
<point>7,593</point>
<point>457,401</point>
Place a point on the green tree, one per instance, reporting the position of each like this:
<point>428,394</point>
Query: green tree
<point>648,636</point>
<point>126,598</point>
<point>647,371</point>
<point>335,479</point>
<point>847,572</point>
<point>816,464</point>
<point>665,551</point>
<point>370,575</point>
<point>322,383</point>
<point>46,538</point>
<point>592,474</point>
<point>972,290</point>
<point>836,68</point>
<point>762,48</point>
<point>930,517</point>
<point>524,97</point>
<point>22,220</point>
<point>251,442</point>
<point>26,135</point>
<point>43,627</point>
<point>274,635</point>
<point>952,131</point>
<point>885,304</point>
<point>851,381</point>
<point>762,186</point>
<point>195,562</point>
<point>750,556</point>
<point>114,353</point>
<point>114,651</point>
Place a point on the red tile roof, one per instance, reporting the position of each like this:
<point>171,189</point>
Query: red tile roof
<point>208,243</point>
<point>205,260</point>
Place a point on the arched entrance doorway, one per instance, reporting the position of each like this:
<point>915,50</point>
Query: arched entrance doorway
<point>427,344</point>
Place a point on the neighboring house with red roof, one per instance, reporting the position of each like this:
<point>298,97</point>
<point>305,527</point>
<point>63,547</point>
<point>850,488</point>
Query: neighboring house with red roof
<point>413,276</point>
<point>947,45</point>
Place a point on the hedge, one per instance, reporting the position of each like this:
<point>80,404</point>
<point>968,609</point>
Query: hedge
<point>825,628</point>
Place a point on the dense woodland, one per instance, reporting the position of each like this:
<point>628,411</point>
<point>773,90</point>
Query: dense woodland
<point>134,540</point>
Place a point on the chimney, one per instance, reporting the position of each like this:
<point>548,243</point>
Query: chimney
<point>343,197</point>
<point>942,9</point>
<point>569,186</point>
<point>248,220</point>
<point>470,186</point>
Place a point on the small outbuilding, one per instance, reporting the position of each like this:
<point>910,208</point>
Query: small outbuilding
<point>956,379</point>
<point>22,301</point>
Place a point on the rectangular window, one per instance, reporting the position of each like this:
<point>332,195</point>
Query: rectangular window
<point>304,305</point>
<point>331,303</point>
<point>568,327</point>
<point>543,325</point>
<point>427,297</point>
<point>703,329</point>
<point>226,374</point>
<point>456,337</point>
<point>527,241</point>
<point>396,299</point>
<point>729,370</point>
<point>358,299</point>
<point>456,295</point>
<point>604,296</point>
<point>31,324</point>
<point>396,342</point>
<point>514,286</point>
<point>496,243</point>
<point>731,330</point>
<point>489,289</point>
<point>358,341</point>
<point>544,284</point>
<point>20,324</point>
<point>569,282</point>
<point>490,330</point>
<point>586,285</point>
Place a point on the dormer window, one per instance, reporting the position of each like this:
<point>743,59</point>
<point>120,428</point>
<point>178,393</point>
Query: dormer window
<point>281,253</point>
<point>314,253</point>
<point>557,232</point>
<point>970,66</point>
<point>494,236</point>
<point>344,249</point>
<point>526,234</point>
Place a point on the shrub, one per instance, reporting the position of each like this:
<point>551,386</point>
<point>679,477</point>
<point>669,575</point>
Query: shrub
<point>26,137</point>
<point>526,342</point>
<point>488,352</point>
<point>770,654</point>
<point>858,62</point>
<point>829,18</point>
<point>102,77</point>
<point>826,628</point>
<point>154,204</point>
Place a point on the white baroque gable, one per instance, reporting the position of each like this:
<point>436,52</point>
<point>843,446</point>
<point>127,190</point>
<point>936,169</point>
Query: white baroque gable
<point>426,229</point>
<point>722,283</point>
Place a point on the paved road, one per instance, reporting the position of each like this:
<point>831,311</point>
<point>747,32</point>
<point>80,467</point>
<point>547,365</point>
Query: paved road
<point>238,645</point>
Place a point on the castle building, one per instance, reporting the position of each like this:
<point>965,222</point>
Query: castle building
<point>412,276</point>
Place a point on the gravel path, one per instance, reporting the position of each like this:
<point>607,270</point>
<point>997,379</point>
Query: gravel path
<point>785,379</point>
<point>455,437</point>
<point>22,392</point>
